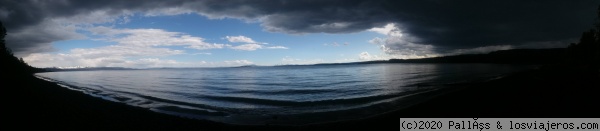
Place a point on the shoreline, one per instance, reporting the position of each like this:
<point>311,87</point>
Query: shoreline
<point>400,103</point>
<point>43,103</point>
<point>47,104</point>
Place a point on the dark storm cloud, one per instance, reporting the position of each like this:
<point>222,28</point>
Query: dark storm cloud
<point>444,24</point>
<point>302,16</point>
<point>476,23</point>
<point>23,13</point>
<point>27,32</point>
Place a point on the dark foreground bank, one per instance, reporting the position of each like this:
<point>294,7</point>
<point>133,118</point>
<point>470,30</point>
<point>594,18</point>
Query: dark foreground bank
<point>551,91</point>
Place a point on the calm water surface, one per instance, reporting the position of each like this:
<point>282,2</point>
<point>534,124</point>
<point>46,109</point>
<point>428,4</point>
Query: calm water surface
<point>276,95</point>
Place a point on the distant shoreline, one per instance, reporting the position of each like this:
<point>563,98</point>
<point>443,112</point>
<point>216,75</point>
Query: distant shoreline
<point>513,56</point>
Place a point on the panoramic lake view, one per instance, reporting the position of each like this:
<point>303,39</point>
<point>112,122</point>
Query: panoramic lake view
<point>296,65</point>
<point>280,94</point>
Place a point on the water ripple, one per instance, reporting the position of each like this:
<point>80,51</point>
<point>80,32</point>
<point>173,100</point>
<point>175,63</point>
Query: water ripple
<point>245,95</point>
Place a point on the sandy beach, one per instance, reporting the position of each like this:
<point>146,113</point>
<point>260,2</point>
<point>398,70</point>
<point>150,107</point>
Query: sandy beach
<point>550,91</point>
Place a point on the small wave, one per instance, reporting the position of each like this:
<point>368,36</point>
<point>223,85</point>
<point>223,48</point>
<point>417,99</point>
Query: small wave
<point>296,91</point>
<point>191,111</point>
<point>274,102</point>
<point>235,93</point>
<point>173,102</point>
<point>129,100</point>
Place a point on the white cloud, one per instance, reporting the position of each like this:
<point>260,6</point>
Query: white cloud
<point>365,56</point>
<point>134,48</point>
<point>242,39</point>
<point>154,37</point>
<point>389,29</point>
<point>73,60</point>
<point>238,62</point>
<point>137,48</point>
<point>247,47</point>
<point>288,59</point>
<point>335,44</point>
<point>51,60</point>
<point>168,11</point>
<point>203,53</point>
<point>398,45</point>
<point>76,60</point>
<point>250,45</point>
<point>277,47</point>
<point>115,55</point>
<point>123,51</point>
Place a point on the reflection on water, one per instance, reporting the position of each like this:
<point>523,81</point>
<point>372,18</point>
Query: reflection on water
<point>275,95</point>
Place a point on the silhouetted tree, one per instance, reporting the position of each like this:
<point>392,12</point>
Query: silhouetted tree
<point>11,65</point>
<point>3,48</point>
<point>22,61</point>
<point>597,44</point>
<point>598,24</point>
<point>587,51</point>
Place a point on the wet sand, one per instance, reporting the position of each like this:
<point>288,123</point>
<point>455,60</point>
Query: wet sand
<point>550,91</point>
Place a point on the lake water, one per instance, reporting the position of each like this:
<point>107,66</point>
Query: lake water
<point>276,95</point>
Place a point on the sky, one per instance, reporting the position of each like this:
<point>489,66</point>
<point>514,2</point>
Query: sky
<point>220,33</point>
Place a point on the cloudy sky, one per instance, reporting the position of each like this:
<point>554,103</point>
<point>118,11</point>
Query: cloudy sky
<point>209,33</point>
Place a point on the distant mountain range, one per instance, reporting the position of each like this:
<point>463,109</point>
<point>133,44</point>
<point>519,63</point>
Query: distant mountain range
<point>86,68</point>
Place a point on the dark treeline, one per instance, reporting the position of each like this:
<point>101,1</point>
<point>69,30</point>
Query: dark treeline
<point>11,65</point>
<point>515,56</point>
<point>587,51</point>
